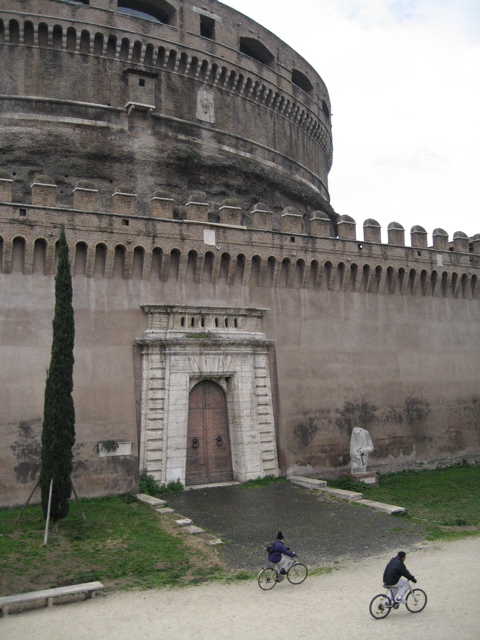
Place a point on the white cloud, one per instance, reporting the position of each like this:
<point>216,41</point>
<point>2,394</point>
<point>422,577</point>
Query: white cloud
<point>404,81</point>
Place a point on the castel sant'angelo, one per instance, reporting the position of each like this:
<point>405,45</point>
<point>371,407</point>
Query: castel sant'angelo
<point>229,324</point>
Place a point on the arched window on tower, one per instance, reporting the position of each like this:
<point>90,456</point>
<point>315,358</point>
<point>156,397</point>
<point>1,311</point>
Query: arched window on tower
<point>257,50</point>
<point>158,11</point>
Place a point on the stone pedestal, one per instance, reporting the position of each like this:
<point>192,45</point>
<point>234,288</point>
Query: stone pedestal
<point>369,477</point>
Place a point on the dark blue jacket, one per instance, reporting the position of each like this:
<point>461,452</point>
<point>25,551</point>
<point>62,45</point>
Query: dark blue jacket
<point>276,554</point>
<point>394,570</point>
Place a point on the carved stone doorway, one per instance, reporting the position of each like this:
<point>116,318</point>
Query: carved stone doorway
<point>209,457</point>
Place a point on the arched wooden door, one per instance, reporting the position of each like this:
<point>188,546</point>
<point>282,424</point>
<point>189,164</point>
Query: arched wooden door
<point>209,456</point>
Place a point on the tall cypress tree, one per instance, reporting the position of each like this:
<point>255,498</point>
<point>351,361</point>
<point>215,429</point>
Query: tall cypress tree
<point>58,432</point>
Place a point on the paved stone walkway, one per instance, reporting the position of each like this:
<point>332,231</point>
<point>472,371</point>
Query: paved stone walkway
<point>320,529</point>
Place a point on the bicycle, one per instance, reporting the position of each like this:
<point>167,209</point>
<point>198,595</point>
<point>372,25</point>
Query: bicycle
<point>269,576</point>
<point>383,603</point>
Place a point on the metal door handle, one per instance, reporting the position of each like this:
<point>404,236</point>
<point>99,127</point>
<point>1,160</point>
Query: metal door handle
<point>195,443</point>
<point>219,440</point>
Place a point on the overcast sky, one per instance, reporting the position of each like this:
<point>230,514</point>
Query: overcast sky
<point>404,83</point>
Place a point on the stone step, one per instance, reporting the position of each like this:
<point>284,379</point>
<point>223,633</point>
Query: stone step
<point>351,496</point>
<point>308,483</point>
<point>164,510</point>
<point>154,502</point>
<point>380,506</point>
<point>193,530</point>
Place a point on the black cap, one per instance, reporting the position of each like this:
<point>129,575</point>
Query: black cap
<point>280,536</point>
<point>401,554</point>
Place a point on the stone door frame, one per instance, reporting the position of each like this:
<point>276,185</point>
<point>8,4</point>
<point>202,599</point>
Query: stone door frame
<point>183,345</point>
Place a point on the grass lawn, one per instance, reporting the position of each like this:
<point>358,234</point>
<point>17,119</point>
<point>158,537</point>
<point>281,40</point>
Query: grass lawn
<point>124,543</point>
<point>448,499</point>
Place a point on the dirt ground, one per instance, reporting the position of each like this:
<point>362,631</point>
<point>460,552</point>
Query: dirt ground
<point>330,606</point>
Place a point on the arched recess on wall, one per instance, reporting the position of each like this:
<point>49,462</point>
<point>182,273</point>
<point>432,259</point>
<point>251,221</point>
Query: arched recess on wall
<point>339,276</point>
<point>191,268</point>
<point>240,269</point>
<point>270,271</point>
<point>80,266</point>
<point>313,276</point>
<point>85,42</point>
<point>42,35</point>
<point>28,34</point>
<point>352,283</point>
<point>14,32</point>
<point>57,37</point>
<point>160,11</point>
<point>119,262</point>
<point>284,272</point>
<point>424,282</point>
<point>301,80</point>
<point>257,50</point>
<point>18,254</point>
<point>473,286</point>
<point>255,271</point>
<point>375,280</point>
<point>100,260</point>
<point>71,39</point>
<point>137,262</point>
<point>174,266</point>
<point>98,44</point>
<point>444,284</point>
<point>39,256</point>
<point>299,273</point>
<point>156,269</point>
<point>224,267</point>
<point>207,274</point>
<point>124,49</point>
<point>454,285</point>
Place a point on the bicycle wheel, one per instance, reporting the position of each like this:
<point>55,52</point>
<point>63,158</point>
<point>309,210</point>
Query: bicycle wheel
<point>380,606</point>
<point>297,573</point>
<point>416,600</point>
<point>267,578</point>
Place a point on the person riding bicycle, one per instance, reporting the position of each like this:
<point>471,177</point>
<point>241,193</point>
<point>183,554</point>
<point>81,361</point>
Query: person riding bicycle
<point>392,576</point>
<point>281,556</point>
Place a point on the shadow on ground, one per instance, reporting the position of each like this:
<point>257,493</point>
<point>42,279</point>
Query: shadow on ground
<point>320,529</point>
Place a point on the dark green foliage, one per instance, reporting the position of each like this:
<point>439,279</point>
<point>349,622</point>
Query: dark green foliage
<point>58,432</point>
<point>150,487</point>
<point>346,483</point>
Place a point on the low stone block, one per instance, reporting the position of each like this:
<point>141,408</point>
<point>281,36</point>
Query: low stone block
<point>154,502</point>
<point>184,522</point>
<point>342,493</point>
<point>193,530</point>
<point>164,510</point>
<point>308,483</point>
<point>380,506</point>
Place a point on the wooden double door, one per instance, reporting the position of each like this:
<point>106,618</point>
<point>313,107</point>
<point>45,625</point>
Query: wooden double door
<point>209,457</point>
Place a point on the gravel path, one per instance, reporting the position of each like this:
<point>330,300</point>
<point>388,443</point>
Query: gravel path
<point>331,607</point>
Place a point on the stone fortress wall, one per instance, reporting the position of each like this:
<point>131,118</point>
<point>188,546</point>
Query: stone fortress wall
<point>202,250</point>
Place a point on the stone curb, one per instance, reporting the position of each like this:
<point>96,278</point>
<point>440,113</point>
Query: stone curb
<point>184,523</point>
<point>351,496</point>
<point>380,506</point>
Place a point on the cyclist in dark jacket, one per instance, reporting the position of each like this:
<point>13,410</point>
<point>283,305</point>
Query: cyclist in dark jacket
<point>281,556</point>
<point>392,576</point>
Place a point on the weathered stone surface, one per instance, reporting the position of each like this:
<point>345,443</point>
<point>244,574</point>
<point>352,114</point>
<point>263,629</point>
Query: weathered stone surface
<point>154,502</point>
<point>380,506</point>
<point>193,530</point>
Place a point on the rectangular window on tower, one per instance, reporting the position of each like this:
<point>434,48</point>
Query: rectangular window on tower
<point>207,27</point>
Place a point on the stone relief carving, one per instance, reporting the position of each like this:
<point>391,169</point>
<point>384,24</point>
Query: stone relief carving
<point>205,106</point>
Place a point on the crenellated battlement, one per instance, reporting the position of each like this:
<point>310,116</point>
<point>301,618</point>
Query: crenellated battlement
<point>201,242</point>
